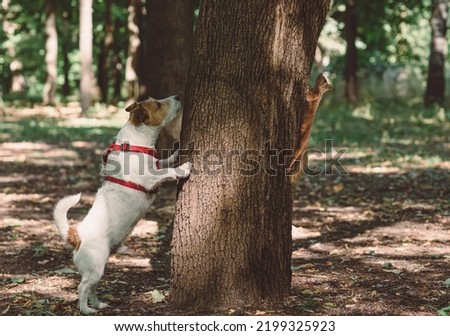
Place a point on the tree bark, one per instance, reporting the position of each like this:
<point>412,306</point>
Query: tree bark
<point>245,96</point>
<point>51,53</point>
<point>435,91</point>
<point>170,27</point>
<point>86,55</point>
<point>351,57</point>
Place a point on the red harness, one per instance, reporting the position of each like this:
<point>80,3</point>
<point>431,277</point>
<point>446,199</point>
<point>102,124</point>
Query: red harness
<point>125,147</point>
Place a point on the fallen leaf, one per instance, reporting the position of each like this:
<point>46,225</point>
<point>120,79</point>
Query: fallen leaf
<point>6,310</point>
<point>443,311</point>
<point>304,266</point>
<point>447,282</point>
<point>65,270</point>
<point>388,265</point>
<point>18,280</point>
<point>338,188</point>
<point>157,296</point>
<point>108,296</point>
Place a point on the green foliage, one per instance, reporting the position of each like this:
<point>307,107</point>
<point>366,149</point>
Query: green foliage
<point>397,131</point>
<point>390,34</point>
<point>29,44</point>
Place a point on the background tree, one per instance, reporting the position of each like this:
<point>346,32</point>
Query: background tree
<point>16,79</point>
<point>351,57</point>
<point>134,43</point>
<point>51,53</point>
<point>86,55</point>
<point>435,91</point>
<point>104,62</point>
<point>170,27</point>
<point>232,234</point>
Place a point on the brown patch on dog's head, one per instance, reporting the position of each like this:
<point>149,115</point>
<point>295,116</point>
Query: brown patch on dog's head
<point>73,238</point>
<point>150,112</point>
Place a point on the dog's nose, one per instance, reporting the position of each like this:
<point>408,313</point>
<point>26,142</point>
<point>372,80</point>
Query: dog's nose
<point>177,97</point>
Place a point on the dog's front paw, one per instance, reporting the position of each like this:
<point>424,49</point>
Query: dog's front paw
<point>176,155</point>
<point>185,170</point>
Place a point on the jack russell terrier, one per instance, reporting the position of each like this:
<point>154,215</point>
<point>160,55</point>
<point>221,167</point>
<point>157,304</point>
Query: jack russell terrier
<point>132,174</point>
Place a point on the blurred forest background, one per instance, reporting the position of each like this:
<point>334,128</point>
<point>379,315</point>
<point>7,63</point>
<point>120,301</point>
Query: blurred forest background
<point>55,52</point>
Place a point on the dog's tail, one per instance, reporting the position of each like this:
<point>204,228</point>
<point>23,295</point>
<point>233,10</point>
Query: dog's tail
<point>60,213</point>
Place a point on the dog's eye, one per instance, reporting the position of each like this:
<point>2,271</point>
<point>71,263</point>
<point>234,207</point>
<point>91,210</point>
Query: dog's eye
<point>158,105</point>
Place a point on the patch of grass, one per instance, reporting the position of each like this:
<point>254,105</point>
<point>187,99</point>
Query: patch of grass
<point>395,131</point>
<point>54,132</point>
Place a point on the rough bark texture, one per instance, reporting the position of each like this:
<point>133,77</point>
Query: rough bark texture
<point>51,53</point>
<point>435,91</point>
<point>351,57</point>
<point>169,44</point>
<point>245,94</point>
<point>86,55</point>
<point>313,96</point>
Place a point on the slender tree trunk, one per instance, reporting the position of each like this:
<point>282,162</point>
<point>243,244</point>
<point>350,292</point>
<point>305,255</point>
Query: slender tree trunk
<point>170,27</point>
<point>245,95</point>
<point>351,57</point>
<point>65,43</point>
<point>51,53</point>
<point>103,66</point>
<point>134,43</point>
<point>435,91</point>
<point>66,69</point>
<point>86,55</point>
<point>17,79</point>
<point>117,63</point>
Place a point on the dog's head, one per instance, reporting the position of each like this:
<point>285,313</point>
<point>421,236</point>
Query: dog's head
<point>152,112</point>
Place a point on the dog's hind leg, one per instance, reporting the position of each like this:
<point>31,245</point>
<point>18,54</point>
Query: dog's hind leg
<point>83,293</point>
<point>94,299</point>
<point>91,266</point>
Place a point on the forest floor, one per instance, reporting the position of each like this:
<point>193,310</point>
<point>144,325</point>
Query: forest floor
<point>373,242</point>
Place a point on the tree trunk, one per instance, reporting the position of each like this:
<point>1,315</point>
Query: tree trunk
<point>435,91</point>
<point>169,43</point>
<point>117,62</point>
<point>351,57</point>
<point>134,43</point>
<point>103,64</point>
<point>17,79</point>
<point>51,53</point>
<point>86,55</point>
<point>65,43</point>
<point>245,95</point>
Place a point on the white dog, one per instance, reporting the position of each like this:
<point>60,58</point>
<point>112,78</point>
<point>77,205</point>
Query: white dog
<point>132,176</point>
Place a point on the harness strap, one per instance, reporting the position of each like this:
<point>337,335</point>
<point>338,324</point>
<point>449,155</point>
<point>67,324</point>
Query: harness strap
<point>126,147</point>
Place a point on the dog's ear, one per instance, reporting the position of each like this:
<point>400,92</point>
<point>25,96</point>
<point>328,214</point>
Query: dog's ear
<point>139,115</point>
<point>131,107</point>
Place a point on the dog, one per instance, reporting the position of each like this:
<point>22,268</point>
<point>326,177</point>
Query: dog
<point>132,175</point>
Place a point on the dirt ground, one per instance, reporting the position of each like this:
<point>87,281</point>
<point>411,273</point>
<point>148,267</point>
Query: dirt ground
<point>373,242</point>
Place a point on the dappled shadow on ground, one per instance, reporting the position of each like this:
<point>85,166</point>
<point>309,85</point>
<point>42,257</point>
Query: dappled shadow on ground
<point>374,242</point>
